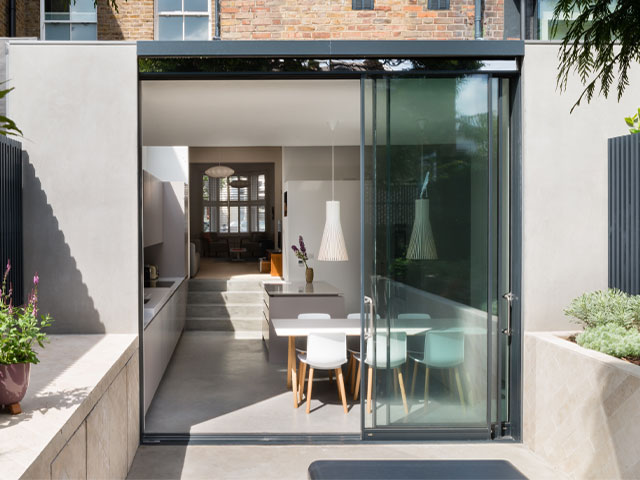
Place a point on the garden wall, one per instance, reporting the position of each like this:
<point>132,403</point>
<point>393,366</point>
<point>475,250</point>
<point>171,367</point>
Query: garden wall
<point>581,408</point>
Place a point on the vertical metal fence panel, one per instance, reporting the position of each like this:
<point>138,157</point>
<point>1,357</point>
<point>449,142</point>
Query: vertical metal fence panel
<point>11,215</point>
<point>624,213</point>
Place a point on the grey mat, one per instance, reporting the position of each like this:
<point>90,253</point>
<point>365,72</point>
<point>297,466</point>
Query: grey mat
<point>413,469</point>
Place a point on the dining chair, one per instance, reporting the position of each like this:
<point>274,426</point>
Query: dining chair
<point>397,358</point>
<point>325,351</point>
<point>301,348</point>
<point>415,343</point>
<point>353,350</point>
<point>443,349</point>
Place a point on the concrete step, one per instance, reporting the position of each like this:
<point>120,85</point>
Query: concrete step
<point>224,298</point>
<point>225,325</point>
<point>224,285</point>
<point>224,311</point>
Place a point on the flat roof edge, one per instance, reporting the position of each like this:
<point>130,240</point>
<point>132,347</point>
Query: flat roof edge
<point>334,48</point>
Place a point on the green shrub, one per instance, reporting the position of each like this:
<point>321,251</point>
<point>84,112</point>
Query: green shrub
<point>605,307</point>
<point>612,339</point>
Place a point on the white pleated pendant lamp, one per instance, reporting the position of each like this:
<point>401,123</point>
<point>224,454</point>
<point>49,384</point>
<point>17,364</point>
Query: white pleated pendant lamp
<point>421,244</point>
<point>332,246</point>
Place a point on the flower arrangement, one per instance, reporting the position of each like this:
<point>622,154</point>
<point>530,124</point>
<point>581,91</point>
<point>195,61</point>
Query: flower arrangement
<point>301,252</point>
<point>20,328</point>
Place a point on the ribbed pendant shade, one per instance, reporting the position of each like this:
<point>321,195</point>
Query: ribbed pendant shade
<point>332,246</point>
<point>421,244</point>
<point>219,171</point>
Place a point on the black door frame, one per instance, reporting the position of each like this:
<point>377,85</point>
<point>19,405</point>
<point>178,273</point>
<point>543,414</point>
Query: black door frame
<point>339,50</point>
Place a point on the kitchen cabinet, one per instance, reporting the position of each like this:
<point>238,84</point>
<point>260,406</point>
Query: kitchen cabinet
<point>153,209</point>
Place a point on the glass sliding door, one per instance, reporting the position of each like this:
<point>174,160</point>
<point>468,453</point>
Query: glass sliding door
<point>435,254</point>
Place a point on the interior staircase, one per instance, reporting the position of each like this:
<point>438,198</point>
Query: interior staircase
<point>226,305</point>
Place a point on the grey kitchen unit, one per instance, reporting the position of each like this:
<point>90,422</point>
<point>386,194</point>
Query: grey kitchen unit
<point>288,300</point>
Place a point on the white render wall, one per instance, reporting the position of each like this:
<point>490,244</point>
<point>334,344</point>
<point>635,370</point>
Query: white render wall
<point>77,107</point>
<point>564,188</point>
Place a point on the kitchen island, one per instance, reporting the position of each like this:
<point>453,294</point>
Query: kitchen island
<point>288,300</point>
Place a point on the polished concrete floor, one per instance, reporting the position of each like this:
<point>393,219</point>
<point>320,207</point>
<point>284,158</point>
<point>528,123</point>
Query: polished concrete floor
<point>292,462</point>
<point>218,384</point>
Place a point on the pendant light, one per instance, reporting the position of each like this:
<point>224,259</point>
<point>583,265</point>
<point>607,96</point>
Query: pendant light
<point>422,246</point>
<point>219,171</point>
<point>332,246</point>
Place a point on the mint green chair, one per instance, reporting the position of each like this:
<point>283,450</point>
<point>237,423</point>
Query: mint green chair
<point>443,349</point>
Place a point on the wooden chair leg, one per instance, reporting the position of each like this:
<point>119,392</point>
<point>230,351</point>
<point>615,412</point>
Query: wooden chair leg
<point>415,375</point>
<point>402,392</point>
<point>369,387</point>
<point>459,385</point>
<point>343,394</point>
<point>303,374</point>
<point>395,384</point>
<point>294,385</point>
<point>309,386</point>
<point>469,385</point>
<point>14,408</point>
<point>426,387</point>
<point>356,390</point>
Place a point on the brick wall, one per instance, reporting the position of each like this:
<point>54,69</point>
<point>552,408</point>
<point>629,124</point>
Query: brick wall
<point>133,21</point>
<point>28,18</point>
<point>334,19</point>
<point>294,20</point>
<point>4,18</point>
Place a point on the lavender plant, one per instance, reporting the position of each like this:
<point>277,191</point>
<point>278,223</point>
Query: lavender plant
<point>20,328</point>
<point>301,251</point>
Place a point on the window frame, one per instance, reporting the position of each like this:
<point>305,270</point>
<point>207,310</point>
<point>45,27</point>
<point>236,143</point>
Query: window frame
<point>229,203</point>
<point>44,22</point>
<point>180,13</point>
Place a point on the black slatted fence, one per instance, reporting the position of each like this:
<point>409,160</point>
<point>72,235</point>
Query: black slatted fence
<point>624,213</point>
<point>11,214</point>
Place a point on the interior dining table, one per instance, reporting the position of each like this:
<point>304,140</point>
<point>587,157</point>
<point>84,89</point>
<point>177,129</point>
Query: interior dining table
<point>297,327</point>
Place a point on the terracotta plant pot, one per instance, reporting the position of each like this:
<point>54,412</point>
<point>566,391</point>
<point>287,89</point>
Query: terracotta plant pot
<point>308,275</point>
<point>14,380</point>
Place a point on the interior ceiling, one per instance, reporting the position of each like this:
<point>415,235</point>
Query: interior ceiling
<point>234,113</point>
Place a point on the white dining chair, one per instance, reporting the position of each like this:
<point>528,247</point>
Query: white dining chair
<point>353,351</point>
<point>397,358</point>
<point>302,349</point>
<point>325,351</point>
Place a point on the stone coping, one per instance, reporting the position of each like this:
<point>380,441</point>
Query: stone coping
<point>73,374</point>
<point>559,338</point>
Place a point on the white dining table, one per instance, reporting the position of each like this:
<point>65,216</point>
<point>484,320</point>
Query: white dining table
<point>298,327</point>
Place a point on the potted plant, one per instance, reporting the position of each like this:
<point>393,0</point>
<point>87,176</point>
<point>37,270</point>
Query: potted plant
<point>301,253</point>
<point>20,331</point>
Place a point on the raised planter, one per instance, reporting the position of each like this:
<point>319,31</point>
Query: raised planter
<point>581,408</point>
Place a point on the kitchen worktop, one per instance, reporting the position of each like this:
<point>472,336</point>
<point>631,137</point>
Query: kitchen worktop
<point>158,297</point>
<point>291,289</point>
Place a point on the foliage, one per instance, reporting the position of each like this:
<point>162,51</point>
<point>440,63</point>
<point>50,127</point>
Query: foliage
<point>601,43</point>
<point>605,307</point>
<point>612,339</point>
<point>8,126</point>
<point>20,328</point>
<point>632,123</point>
<point>301,252</point>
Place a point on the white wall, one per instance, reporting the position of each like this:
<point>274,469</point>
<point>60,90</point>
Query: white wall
<point>77,107</point>
<point>306,217</point>
<point>169,164</point>
<point>564,188</point>
<point>314,163</point>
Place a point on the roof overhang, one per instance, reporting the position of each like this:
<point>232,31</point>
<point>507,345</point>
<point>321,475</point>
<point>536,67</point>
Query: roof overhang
<point>326,49</point>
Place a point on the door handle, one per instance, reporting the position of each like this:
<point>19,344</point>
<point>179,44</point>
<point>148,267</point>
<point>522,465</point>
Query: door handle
<point>509,297</point>
<point>369,301</point>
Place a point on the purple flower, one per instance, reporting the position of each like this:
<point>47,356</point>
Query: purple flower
<point>36,279</point>
<point>294,248</point>
<point>303,249</point>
